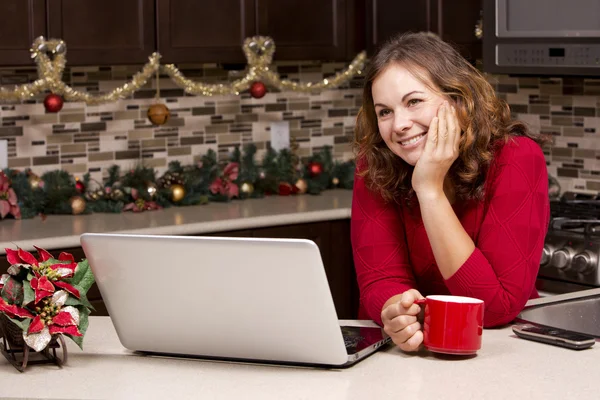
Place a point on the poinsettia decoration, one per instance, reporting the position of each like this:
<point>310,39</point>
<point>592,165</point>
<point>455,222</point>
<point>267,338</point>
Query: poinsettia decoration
<point>224,184</point>
<point>138,204</point>
<point>8,198</point>
<point>46,297</point>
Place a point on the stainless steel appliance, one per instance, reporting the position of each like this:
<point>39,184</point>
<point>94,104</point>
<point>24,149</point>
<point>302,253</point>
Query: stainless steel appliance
<point>571,255</point>
<point>541,37</point>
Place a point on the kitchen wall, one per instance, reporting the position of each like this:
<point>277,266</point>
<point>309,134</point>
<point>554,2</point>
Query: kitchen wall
<point>91,138</point>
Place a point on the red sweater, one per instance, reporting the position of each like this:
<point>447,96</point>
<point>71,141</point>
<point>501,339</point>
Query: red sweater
<point>392,252</point>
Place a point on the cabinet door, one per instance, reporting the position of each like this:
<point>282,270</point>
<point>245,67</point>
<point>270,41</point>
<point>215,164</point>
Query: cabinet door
<point>456,20</point>
<point>21,21</point>
<point>204,30</point>
<point>385,18</point>
<point>305,29</point>
<point>103,32</point>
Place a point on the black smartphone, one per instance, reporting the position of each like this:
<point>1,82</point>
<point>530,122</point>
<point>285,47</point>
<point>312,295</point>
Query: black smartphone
<point>554,336</point>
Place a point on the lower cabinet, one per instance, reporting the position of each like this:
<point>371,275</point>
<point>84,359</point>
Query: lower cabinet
<point>332,238</point>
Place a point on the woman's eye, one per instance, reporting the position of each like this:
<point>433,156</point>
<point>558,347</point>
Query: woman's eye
<point>413,102</point>
<point>383,113</point>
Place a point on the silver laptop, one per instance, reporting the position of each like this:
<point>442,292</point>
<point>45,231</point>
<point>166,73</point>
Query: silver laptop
<point>242,299</point>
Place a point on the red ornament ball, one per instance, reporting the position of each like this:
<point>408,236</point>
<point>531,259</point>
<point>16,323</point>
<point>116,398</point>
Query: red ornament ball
<point>285,189</point>
<point>315,168</point>
<point>258,90</point>
<point>53,103</point>
<point>80,187</point>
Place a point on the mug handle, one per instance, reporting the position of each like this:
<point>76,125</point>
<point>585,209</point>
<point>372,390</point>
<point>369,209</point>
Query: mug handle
<point>421,301</point>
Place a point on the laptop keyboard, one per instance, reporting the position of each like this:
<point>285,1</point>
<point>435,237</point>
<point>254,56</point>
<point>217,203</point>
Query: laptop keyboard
<point>351,338</point>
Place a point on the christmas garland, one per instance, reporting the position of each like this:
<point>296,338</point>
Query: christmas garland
<point>50,58</point>
<point>23,194</point>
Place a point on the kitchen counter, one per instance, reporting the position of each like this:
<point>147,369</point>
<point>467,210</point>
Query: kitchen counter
<point>505,367</point>
<point>63,231</point>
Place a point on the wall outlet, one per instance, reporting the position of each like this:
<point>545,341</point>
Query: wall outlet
<point>280,135</point>
<point>3,154</point>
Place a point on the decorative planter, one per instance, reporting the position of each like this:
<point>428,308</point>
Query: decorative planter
<point>20,355</point>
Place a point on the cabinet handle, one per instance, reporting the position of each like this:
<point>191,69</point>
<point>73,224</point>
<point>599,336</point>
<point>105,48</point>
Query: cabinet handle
<point>479,26</point>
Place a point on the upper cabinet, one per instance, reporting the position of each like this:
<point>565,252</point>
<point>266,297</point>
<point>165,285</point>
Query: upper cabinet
<point>21,21</point>
<point>304,29</point>
<point>204,30</point>
<point>214,30</point>
<point>385,18</point>
<point>456,20</point>
<point>103,32</point>
<point>453,20</point>
<point>112,32</point>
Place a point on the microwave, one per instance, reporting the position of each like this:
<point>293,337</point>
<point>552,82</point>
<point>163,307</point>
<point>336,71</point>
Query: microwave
<point>541,37</point>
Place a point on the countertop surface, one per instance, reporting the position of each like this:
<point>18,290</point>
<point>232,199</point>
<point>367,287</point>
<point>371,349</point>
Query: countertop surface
<point>63,231</point>
<point>505,367</point>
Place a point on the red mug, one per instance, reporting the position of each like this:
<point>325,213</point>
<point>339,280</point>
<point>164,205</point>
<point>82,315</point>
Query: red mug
<point>452,324</point>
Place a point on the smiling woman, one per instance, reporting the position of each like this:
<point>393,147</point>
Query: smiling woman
<point>450,194</point>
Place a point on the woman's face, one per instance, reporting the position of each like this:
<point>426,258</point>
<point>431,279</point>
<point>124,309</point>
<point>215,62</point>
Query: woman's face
<point>404,107</point>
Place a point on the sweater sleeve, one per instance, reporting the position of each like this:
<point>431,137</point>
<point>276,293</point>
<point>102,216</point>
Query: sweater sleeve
<point>379,249</point>
<point>503,268</point>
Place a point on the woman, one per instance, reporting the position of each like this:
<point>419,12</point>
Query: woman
<point>450,196</point>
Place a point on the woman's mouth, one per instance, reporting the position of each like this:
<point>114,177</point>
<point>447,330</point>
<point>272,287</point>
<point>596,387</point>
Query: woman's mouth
<point>413,141</point>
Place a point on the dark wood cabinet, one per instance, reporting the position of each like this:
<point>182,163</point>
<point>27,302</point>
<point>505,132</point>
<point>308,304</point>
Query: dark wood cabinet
<point>106,32</point>
<point>456,20</point>
<point>385,18</point>
<point>332,238</point>
<point>304,29</point>
<point>453,20</point>
<point>113,32</point>
<point>215,30</point>
<point>21,21</point>
<point>191,31</point>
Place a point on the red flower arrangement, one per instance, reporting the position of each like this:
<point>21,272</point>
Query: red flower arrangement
<point>225,185</point>
<point>8,198</point>
<point>138,204</point>
<point>46,298</point>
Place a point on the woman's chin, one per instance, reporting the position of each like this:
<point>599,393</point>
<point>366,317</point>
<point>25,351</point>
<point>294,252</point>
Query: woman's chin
<point>410,157</point>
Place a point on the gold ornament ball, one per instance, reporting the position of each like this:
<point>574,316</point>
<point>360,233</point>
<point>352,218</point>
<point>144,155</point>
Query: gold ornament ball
<point>34,181</point>
<point>117,194</point>
<point>177,192</point>
<point>302,186</point>
<point>335,181</point>
<point>158,114</point>
<point>247,188</point>
<point>77,204</point>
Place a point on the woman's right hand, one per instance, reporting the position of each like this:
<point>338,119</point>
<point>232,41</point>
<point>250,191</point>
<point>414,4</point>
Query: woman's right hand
<point>399,317</point>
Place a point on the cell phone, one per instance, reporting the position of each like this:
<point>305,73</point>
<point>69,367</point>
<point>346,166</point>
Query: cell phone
<point>554,336</point>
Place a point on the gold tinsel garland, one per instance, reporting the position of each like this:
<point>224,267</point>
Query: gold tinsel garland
<point>258,50</point>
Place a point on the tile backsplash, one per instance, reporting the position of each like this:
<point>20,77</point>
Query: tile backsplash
<point>83,138</point>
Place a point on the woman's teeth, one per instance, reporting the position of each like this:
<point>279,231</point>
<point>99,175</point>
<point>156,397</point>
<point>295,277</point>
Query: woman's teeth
<point>413,140</point>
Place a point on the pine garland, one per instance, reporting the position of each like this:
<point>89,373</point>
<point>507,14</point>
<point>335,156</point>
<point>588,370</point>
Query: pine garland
<point>51,193</point>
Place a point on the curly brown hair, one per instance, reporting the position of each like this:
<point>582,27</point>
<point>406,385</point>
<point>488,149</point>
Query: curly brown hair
<point>485,119</point>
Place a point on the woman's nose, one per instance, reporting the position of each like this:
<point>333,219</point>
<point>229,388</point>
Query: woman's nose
<point>402,122</point>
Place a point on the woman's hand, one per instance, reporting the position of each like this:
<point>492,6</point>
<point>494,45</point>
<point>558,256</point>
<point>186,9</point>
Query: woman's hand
<point>440,151</point>
<point>400,321</point>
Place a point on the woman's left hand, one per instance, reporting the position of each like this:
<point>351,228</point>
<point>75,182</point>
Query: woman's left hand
<point>441,150</point>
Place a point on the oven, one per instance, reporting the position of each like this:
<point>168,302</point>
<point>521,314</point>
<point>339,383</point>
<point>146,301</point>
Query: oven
<point>570,259</point>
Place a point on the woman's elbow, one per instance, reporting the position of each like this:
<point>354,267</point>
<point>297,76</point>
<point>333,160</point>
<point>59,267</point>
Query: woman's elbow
<point>498,319</point>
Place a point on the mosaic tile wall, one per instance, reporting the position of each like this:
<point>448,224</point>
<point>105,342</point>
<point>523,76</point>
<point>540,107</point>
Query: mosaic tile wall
<point>569,110</point>
<point>91,138</point>
<point>84,138</point>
